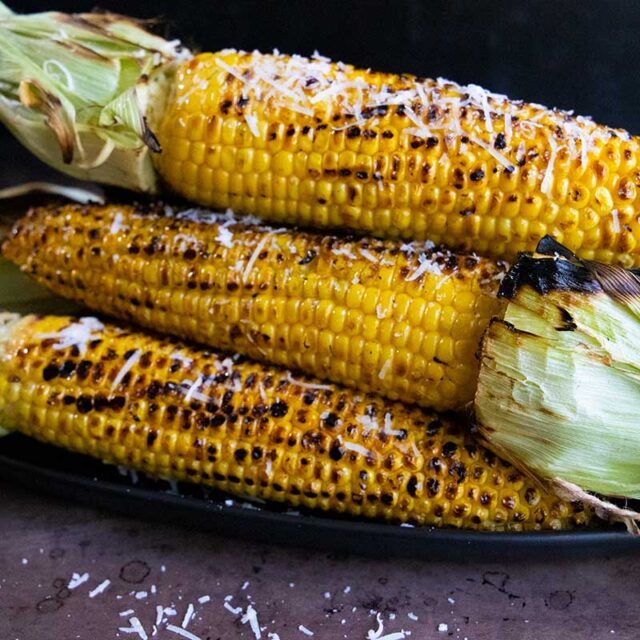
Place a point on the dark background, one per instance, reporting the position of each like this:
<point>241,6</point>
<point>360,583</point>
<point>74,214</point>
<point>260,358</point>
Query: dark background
<point>570,54</point>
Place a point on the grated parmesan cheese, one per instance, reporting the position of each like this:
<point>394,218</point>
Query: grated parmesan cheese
<point>303,629</point>
<point>616,221</point>
<point>386,367</point>
<point>307,385</point>
<point>77,334</point>
<point>126,367</point>
<point>225,237</point>
<point>136,627</point>
<point>101,588</point>
<point>179,631</point>
<point>426,265</point>
<point>188,616</point>
<point>77,580</point>
<point>358,448</point>
<point>250,616</point>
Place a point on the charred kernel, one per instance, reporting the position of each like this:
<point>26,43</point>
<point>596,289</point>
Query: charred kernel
<point>256,453</point>
<point>500,141</point>
<point>476,175</point>
<point>353,132</point>
<point>279,409</point>
<point>68,399</point>
<point>331,419</point>
<point>433,486</point>
<point>240,454</point>
<point>151,438</point>
<point>217,420</point>
<point>509,502</point>
<point>435,464</point>
<point>308,257</point>
<point>84,403</point>
<point>412,486</point>
<point>336,452</point>
<point>83,369</point>
<point>50,372</point>
<point>448,449</point>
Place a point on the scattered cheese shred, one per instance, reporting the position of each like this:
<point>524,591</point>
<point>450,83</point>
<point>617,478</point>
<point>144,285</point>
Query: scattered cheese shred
<point>386,367</point>
<point>308,385</point>
<point>547,181</point>
<point>250,616</point>
<point>77,334</point>
<point>136,627</point>
<point>128,365</point>
<point>303,629</point>
<point>426,265</point>
<point>358,448</point>
<point>188,616</point>
<point>77,579</point>
<point>100,588</point>
<point>254,256</point>
<point>179,631</point>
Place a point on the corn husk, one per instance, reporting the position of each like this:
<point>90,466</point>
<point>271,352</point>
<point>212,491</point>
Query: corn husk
<point>559,384</point>
<point>79,90</point>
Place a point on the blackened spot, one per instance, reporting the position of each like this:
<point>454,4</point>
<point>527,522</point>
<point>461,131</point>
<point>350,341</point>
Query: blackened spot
<point>84,403</point>
<point>308,398</point>
<point>331,419</point>
<point>83,369</point>
<point>308,258</point>
<point>386,498</point>
<point>477,175</point>
<point>336,452</point>
<point>217,420</point>
<point>500,142</point>
<point>449,448</point>
<point>433,486</point>
<point>256,453</point>
<point>353,132</point>
<point>151,438</point>
<point>412,486</point>
<point>240,454</point>
<point>50,372</point>
<point>279,409</point>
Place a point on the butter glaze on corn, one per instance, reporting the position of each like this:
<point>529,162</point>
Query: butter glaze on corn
<point>403,321</point>
<point>134,399</point>
<point>318,143</point>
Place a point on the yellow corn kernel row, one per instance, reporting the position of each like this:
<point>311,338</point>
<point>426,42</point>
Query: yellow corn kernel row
<point>158,406</point>
<point>403,321</point>
<point>327,145</point>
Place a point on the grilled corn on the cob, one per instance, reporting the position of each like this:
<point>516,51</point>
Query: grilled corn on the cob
<point>318,143</point>
<point>403,321</point>
<point>173,411</point>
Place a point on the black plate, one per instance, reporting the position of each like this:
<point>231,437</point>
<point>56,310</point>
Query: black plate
<point>46,468</point>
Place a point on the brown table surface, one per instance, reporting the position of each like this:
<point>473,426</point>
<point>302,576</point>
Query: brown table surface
<point>44,541</point>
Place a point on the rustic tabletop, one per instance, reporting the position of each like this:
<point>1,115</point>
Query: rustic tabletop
<point>71,572</point>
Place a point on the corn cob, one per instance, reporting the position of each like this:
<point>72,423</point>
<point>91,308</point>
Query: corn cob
<point>172,411</point>
<point>402,321</point>
<point>311,142</point>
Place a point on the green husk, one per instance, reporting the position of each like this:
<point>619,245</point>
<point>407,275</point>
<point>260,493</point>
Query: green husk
<point>559,384</point>
<point>79,91</point>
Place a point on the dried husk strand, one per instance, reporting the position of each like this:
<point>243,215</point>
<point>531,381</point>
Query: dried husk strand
<point>559,384</point>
